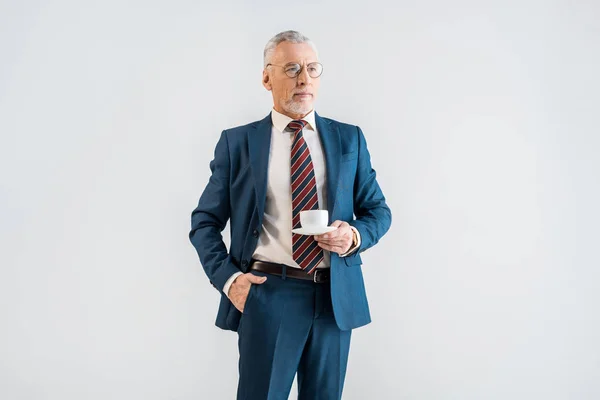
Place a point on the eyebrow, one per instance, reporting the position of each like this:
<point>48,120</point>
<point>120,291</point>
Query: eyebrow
<point>296,62</point>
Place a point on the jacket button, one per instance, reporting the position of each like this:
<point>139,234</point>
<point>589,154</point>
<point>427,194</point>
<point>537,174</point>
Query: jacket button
<point>255,233</point>
<point>244,263</point>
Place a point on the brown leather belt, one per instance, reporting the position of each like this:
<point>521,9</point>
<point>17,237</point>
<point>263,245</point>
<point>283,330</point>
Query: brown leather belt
<point>320,275</point>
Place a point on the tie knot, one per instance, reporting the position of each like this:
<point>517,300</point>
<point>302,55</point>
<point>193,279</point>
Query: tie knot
<point>297,125</point>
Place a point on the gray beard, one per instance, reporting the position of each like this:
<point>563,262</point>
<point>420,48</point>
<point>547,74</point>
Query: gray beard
<point>297,108</point>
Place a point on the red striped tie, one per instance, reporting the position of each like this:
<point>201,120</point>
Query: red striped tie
<point>306,251</point>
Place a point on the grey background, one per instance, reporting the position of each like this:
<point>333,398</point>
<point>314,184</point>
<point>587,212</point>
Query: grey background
<point>482,122</point>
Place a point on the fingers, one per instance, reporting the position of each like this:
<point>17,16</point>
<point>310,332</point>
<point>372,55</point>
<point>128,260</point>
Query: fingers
<point>256,279</point>
<point>342,241</point>
<point>332,248</point>
<point>338,235</point>
<point>342,229</point>
<point>337,223</point>
<point>337,241</point>
<point>332,240</point>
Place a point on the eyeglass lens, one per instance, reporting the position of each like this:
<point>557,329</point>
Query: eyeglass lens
<point>314,70</point>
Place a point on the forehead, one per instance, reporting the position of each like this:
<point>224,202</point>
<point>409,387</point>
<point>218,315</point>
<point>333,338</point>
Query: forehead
<point>287,52</point>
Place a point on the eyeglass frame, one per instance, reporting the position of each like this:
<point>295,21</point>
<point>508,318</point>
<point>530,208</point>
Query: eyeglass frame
<point>300,70</point>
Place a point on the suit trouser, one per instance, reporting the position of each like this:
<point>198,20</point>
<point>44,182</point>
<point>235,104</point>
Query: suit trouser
<point>288,326</point>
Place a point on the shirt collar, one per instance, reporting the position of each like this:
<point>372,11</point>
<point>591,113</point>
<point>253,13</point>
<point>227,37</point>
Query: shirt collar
<point>281,121</point>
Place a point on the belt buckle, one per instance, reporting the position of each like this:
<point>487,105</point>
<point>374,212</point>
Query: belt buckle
<point>315,276</point>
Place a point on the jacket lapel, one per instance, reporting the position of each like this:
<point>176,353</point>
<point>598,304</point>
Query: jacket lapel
<point>332,148</point>
<point>259,146</point>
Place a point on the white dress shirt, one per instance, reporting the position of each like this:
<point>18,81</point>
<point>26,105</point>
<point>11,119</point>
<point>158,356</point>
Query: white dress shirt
<point>275,239</point>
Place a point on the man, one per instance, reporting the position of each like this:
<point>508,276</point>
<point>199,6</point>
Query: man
<point>293,299</point>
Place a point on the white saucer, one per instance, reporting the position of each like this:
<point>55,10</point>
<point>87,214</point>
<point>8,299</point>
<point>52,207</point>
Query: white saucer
<point>317,230</point>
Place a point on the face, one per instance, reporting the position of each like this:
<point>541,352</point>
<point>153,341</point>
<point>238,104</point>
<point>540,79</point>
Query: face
<point>293,97</point>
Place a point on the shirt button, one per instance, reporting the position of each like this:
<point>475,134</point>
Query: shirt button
<point>255,233</point>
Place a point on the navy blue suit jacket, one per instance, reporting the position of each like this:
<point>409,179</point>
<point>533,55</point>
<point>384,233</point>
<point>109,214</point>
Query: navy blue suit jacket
<point>236,191</point>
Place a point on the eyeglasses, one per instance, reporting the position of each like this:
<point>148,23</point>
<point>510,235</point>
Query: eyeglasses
<point>292,70</point>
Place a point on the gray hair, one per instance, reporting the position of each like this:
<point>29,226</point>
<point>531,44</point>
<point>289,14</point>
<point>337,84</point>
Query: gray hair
<point>286,36</point>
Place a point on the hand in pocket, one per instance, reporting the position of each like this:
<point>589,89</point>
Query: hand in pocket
<point>238,292</point>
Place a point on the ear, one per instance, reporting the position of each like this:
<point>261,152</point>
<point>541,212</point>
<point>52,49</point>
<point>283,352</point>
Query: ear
<point>266,80</point>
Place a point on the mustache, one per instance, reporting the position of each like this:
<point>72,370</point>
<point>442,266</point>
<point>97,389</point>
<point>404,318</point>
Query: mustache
<point>302,93</point>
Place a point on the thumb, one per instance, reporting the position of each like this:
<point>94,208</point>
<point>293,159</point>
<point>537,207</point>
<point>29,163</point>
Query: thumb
<point>336,223</point>
<point>256,279</point>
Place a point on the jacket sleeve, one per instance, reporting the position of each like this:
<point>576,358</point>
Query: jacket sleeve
<point>210,217</point>
<point>373,216</point>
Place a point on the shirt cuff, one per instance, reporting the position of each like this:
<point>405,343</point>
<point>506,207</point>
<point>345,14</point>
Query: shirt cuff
<point>229,282</point>
<point>352,249</point>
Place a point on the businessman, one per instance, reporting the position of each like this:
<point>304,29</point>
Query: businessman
<point>293,298</point>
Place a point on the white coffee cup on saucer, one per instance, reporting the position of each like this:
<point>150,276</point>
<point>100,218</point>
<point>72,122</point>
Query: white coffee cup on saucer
<point>311,219</point>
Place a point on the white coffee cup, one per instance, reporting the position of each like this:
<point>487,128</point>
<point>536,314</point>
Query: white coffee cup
<point>314,218</point>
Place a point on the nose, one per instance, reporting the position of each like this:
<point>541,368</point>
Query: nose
<point>303,77</point>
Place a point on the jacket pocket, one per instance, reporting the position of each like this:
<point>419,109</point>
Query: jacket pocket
<point>353,259</point>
